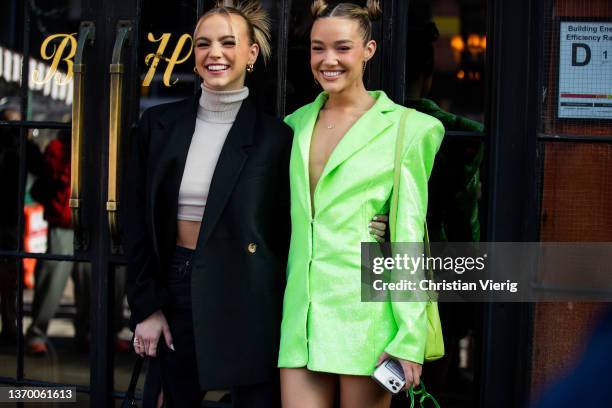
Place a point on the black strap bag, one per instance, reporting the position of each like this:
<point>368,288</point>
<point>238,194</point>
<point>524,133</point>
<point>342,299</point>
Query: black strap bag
<point>130,398</point>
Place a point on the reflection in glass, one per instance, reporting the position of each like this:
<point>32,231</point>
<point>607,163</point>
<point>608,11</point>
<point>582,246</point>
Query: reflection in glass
<point>444,78</point>
<point>48,191</point>
<point>159,26</point>
<point>50,77</point>
<point>57,320</point>
<point>459,53</point>
<point>51,44</point>
<point>56,328</point>
<point>453,213</point>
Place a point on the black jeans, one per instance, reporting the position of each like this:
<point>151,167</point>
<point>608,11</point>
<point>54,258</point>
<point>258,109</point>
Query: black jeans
<point>179,370</point>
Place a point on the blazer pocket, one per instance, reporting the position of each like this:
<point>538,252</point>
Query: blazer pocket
<point>251,172</point>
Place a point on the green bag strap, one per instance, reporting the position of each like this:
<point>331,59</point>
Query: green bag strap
<point>399,148</point>
<point>424,396</point>
<point>427,253</point>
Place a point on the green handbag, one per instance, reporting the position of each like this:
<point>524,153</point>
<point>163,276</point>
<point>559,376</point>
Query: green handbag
<point>434,346</point>
<point>422,395</point>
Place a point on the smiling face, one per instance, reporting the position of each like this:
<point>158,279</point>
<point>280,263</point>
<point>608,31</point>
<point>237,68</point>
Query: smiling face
<point>222,51</point>
<point>337,53</point>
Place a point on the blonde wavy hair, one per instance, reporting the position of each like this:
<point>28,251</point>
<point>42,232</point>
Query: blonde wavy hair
<point>364,15</point>
<point>256,17</point>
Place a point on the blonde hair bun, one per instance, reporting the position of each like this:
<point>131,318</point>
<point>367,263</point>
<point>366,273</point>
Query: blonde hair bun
<point>374,9</point>
<point>257,18</point>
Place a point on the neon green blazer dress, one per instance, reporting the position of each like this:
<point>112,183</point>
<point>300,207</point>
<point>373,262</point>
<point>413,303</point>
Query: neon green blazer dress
<point>325,326</point>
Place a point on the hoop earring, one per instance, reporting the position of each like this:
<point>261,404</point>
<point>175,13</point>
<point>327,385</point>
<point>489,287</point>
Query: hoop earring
<point>195,70</point>
<point>250,68</point>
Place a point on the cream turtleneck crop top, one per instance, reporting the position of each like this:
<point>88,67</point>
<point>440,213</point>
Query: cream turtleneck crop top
<point>216,114</point>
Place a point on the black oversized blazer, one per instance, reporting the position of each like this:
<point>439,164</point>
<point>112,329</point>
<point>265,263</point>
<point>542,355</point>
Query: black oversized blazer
<point>239,264</point>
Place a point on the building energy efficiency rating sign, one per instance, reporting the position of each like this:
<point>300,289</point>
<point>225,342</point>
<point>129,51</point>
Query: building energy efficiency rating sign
<point>585,70</point>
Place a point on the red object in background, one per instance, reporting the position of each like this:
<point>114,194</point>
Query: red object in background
<point>57,172</point>
<point>35,239</point>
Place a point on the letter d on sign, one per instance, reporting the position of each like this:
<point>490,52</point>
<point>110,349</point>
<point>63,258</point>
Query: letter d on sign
<point>587,56</point>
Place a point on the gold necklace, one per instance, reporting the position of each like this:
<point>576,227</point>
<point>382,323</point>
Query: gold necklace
<point>332,125</point>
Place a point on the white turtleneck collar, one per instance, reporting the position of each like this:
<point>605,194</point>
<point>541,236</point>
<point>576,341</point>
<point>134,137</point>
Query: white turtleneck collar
<point>221,106</point>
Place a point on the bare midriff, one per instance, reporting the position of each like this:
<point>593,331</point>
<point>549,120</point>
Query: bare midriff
<point>187,233</point>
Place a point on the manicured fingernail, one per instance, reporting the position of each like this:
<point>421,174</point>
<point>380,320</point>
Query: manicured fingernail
<point>172,347</point>
<point>376,218</point>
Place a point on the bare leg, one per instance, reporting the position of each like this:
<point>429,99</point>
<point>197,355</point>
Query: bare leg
<point>160,399</point>
<point>360,391</point>
<point>302,388</point>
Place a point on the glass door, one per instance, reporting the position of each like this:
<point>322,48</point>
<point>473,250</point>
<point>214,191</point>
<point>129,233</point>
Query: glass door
<point>63,87</point>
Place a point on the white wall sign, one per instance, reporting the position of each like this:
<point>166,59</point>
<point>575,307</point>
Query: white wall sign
<point>585,70</point>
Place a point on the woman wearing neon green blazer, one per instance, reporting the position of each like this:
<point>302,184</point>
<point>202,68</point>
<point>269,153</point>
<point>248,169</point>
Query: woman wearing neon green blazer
<point>341,175</point>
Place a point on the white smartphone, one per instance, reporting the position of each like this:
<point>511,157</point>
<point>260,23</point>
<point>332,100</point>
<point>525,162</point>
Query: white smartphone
<point>390,375</point>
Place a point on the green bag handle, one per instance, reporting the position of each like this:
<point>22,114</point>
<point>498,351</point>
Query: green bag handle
<point>423,396</point>
<point>399,148</point>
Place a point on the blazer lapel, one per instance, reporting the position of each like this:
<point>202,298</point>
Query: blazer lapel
<point>370,125</point>
<point>367,127</point>
<point>169,170</point>
<point>304,138</point>
<point>180,140</point>
<point>231,161</point>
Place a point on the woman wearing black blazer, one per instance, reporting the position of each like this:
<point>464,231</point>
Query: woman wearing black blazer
<point>220,278</point>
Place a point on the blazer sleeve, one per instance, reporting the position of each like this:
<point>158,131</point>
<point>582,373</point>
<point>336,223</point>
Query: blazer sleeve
<point>145,294</point>
<point>417,163</point>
